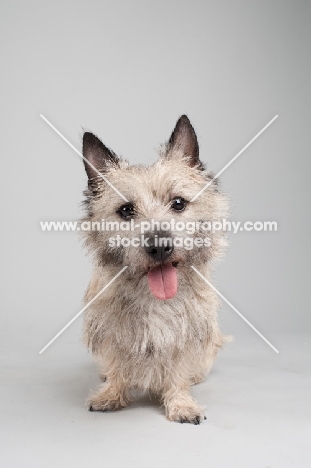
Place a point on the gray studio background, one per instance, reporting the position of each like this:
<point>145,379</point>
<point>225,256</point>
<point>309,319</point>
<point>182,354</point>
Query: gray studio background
<point>127,71</point>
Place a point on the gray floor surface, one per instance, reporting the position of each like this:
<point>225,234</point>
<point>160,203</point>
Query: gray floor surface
<point>258,411</point>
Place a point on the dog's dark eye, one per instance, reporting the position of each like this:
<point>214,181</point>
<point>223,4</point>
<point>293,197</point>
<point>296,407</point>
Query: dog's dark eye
<point>178,204</point>
<point>126,211</point>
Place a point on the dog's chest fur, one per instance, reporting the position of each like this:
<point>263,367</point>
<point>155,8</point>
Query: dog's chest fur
<point>134,322</point>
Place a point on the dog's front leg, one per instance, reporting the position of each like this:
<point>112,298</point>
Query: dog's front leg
<point>180,406</point>
<point>111,396</point>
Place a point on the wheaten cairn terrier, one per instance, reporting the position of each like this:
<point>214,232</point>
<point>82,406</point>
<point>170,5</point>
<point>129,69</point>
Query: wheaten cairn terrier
<point>155,327</point>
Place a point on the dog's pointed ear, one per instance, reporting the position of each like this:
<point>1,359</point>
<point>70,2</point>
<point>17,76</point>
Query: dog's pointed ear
<point>184,140</point>
<point>97,159</point>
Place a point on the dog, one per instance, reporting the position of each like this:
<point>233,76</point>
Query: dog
<point>154,328</point>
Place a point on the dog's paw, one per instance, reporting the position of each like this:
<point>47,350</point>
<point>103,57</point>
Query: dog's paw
<point>196,420</point>
<point>105,405</point>
<point>186,414</point>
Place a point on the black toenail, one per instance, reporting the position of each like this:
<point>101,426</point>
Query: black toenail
<point>91,408</point>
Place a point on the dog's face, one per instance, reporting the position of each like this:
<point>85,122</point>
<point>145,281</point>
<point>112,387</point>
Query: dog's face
<point>146,232</point>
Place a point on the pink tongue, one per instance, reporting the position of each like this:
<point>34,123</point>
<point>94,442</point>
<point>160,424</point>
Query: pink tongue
<point>163,281</point>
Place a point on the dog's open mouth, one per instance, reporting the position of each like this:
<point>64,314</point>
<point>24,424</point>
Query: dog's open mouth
<point>162,280</point>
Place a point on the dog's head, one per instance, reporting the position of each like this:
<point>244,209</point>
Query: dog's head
<point>144,217</point>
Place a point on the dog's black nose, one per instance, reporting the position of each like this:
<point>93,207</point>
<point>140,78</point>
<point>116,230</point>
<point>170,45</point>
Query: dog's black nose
<point>160,248</point>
